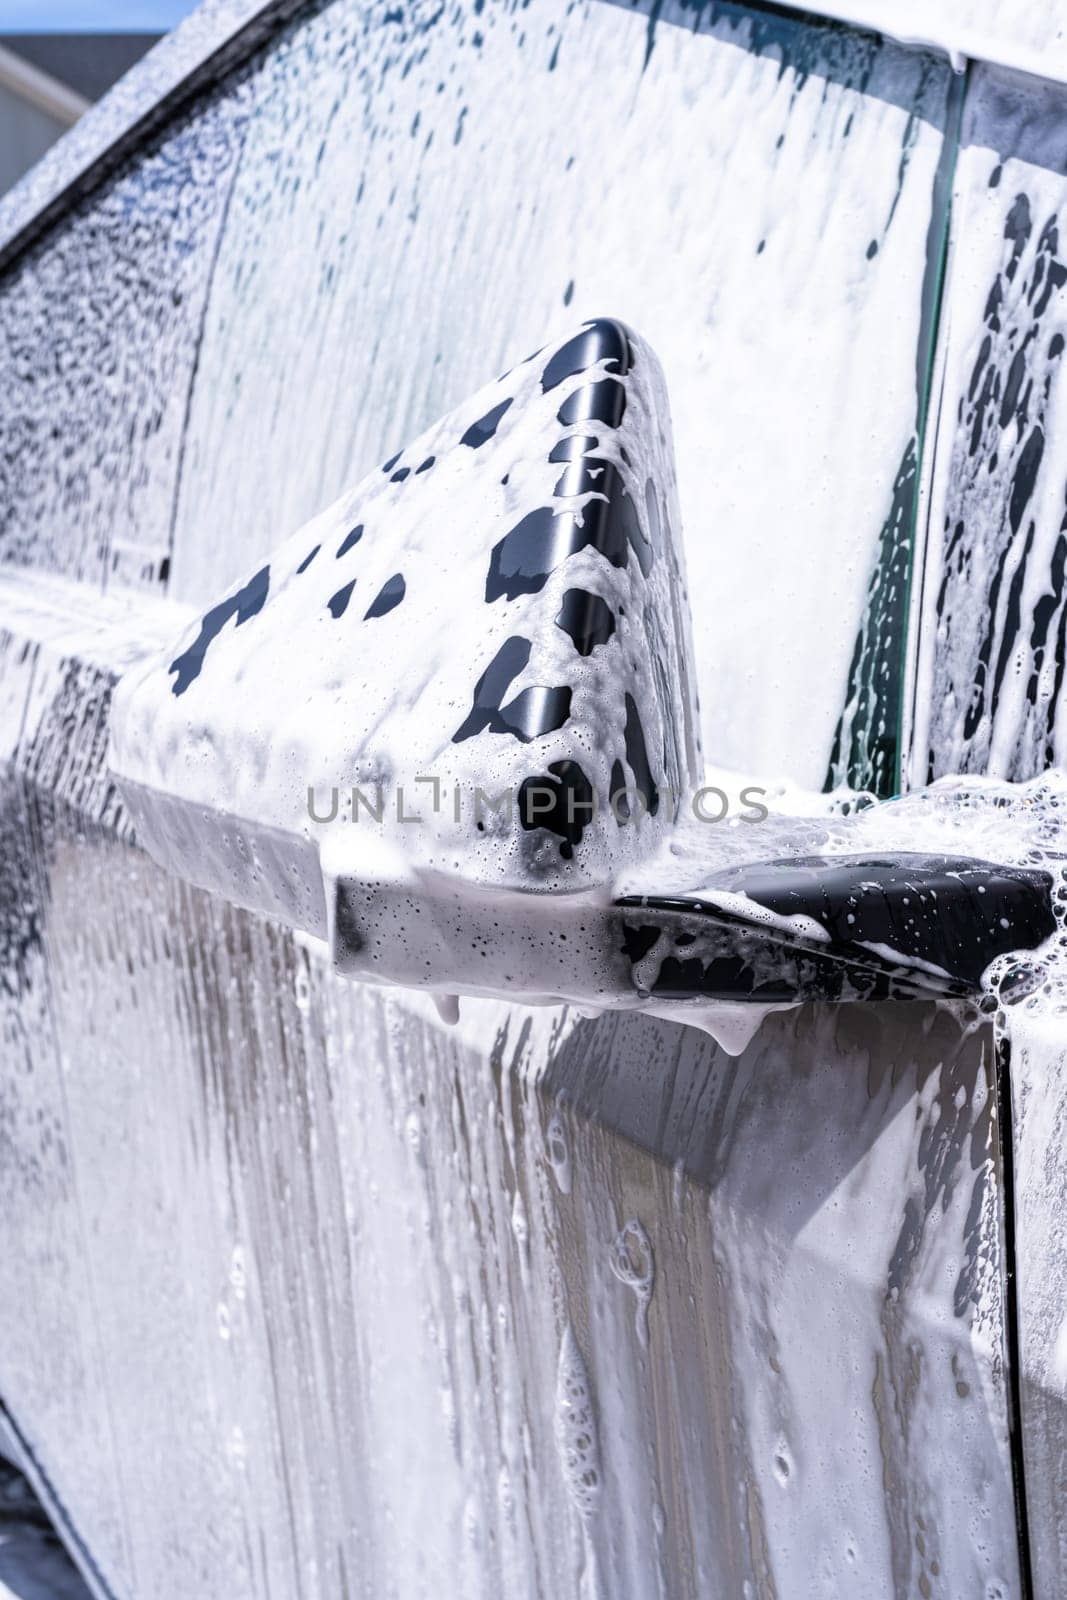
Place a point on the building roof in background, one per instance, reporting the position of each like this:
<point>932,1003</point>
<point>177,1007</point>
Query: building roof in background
<point>88,63</point>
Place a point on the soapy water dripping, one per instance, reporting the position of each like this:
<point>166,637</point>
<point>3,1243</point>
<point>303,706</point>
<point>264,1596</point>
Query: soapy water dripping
<point>559,1152</point>
<point>633,1263</point>
<point>578,1445</point>
<point>576,1428</point>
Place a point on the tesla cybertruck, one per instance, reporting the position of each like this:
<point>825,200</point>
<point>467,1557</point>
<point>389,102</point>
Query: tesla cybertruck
<point>532,635</point>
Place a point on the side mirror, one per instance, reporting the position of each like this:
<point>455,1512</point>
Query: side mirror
<point>448,719</point>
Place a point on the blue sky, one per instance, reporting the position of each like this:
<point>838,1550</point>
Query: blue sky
<point>84,16</point>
